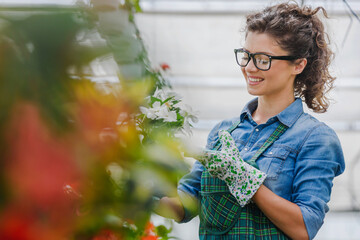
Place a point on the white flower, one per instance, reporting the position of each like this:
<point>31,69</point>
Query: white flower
<point>160,94</point>
<point>186,128</point>
<point>165,113</point>
<point>189,115</point>
<point>149,112</point>
<point>159,111</point>
<point>187,112</point>
<point>169,116</point>
<point>165,93</point>
<point>165,105</point>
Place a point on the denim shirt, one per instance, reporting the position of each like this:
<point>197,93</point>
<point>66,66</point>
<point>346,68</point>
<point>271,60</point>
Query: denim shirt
<point>300,165</point>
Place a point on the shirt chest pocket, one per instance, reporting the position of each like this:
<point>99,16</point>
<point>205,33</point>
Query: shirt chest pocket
<point>272,161</point>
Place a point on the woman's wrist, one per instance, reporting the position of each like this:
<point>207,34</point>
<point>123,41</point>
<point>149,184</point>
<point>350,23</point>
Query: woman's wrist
<point>169,208</point>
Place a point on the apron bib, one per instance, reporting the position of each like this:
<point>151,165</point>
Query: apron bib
<point>222,218</point>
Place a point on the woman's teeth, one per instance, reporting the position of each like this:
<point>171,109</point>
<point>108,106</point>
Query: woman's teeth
<point>255,79</point>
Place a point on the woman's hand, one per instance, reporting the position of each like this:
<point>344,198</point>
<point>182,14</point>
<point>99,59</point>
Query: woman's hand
<point>170,208</point>
<point>242,179</point>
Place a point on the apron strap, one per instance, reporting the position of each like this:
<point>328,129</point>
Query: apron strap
<point>273,137</point>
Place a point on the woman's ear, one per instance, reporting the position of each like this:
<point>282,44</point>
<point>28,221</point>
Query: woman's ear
<point>300,65</point>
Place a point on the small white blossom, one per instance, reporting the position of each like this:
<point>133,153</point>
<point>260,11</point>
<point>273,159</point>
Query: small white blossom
<point>169,116</point>
<point>159,111</point>
<point>187,112</point>
<point>187,128</point>
<point>166,105</point>
<point>149,112</point>
<point>152,112</point>
<point>165,93</point>
<point>159,93</point>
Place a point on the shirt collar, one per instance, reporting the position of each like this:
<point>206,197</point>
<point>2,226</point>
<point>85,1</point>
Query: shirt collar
<point>288,116</point>
<point>249,109</point>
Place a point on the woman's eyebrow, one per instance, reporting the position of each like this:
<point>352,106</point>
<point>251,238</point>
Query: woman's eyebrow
<point>268,53</point>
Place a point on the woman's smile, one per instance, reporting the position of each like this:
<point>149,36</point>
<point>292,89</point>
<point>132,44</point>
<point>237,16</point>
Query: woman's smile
<point>252,80</point>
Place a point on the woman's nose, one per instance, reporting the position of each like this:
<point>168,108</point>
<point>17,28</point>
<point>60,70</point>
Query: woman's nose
<point>250,67</point>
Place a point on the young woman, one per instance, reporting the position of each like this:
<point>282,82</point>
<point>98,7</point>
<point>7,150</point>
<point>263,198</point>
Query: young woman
<point>276,182</point>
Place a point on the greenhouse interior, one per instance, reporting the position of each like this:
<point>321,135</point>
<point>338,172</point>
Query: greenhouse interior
<point>101,97</point>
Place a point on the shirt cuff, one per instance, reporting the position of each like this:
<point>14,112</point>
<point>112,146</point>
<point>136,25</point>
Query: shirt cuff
<point>313,221</point>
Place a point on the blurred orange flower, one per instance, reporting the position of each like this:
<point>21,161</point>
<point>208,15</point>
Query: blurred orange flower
<point>150,232</point>
<point>150,238</point>
<point>96,111</point>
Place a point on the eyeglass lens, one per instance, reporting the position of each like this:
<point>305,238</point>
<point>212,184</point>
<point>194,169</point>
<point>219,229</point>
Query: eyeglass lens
<point>262,61</point>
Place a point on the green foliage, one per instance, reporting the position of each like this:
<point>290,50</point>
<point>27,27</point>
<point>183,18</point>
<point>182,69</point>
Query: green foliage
<point>43,67</point>
<point>38,56</point>
<point>134,5</point>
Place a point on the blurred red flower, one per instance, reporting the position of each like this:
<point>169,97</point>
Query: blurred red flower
<point>23,223</point>
<point>164,66</point>
<point>107,235</point>
<point>38,164</point>
<point>15,226</point>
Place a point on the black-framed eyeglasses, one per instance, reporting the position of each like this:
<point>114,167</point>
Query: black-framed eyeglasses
<point>261,61</point>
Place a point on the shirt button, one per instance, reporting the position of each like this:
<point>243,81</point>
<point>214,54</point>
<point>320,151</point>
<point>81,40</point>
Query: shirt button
<point>256,129</point>
<point>271,152</point>
<point>246,149</point>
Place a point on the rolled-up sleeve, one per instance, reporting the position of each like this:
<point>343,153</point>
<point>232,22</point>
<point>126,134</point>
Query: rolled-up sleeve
<point>319,160</point>
<point>188,191</point>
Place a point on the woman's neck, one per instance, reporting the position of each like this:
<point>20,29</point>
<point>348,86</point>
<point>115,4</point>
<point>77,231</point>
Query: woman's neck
<point>267,109</point>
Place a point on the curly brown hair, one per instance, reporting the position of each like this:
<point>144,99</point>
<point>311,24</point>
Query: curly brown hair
<point>300,32</point>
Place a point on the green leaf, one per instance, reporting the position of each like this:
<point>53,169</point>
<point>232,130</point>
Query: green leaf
<point>168,99</point>
<point>155,99</point>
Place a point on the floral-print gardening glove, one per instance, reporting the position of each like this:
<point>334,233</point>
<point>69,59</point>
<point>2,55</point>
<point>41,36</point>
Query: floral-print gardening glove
<point>242,179</point>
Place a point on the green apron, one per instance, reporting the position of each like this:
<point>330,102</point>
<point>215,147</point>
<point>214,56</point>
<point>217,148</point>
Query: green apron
<point>222,218</point>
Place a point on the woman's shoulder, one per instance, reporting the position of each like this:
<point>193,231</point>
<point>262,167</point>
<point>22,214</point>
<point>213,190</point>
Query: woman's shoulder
<point>308,127</point>
<point>308,130</point>
<point>308,122</point>
<point>320,140</point>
